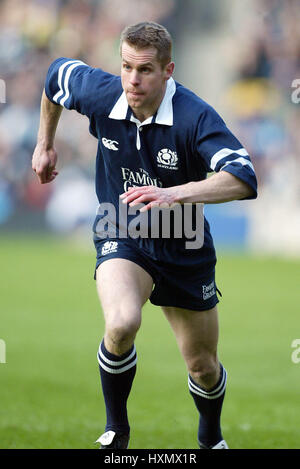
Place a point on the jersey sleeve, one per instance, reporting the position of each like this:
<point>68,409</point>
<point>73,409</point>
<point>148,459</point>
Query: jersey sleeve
<point>74,85</point>
<point>217,149</point>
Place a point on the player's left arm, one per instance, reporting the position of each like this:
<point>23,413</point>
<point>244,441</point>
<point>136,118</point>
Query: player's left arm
<point>215,149</point>
<point>219,188</point>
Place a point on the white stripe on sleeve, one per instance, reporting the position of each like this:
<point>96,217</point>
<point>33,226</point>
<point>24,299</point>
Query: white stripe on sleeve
<point>240,160</point>
<point>59,80</point>
<point>66,83</point>
<point>224,153</point>
<point>63,91</point>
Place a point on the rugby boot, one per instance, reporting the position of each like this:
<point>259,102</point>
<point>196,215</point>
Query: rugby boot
<point>113,440</point>
<point>221,445</point>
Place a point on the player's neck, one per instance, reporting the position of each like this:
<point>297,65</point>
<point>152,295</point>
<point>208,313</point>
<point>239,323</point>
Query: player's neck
<point>144,113</point>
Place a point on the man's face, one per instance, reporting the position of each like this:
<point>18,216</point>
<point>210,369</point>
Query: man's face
<point>143,78</point>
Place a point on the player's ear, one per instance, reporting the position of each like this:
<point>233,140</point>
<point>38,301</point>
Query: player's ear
<point>169,69</point>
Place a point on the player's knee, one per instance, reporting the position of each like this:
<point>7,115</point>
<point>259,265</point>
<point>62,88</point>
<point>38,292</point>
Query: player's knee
<point>121,330</point>
<point>204,372</point>
<point>120,333</point>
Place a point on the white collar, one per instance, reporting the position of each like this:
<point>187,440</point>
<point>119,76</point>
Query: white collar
<point>164,114</point>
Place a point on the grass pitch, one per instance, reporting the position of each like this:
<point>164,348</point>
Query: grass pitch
<point>51,322</point>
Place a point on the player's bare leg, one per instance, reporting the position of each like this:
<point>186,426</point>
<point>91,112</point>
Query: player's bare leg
<point>197,334</point>
<point>123,288</point>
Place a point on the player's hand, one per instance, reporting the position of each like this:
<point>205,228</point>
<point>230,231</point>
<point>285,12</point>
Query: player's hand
<point>43,163</point>
<point>152,196</point>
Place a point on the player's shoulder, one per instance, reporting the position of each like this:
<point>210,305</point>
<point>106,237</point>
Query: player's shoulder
<point>195,109</point>
<point>86,81</point>
<point>105,85</point>
<point>66,67</point>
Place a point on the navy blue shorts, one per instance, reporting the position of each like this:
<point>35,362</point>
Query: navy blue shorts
<point>188,288</point>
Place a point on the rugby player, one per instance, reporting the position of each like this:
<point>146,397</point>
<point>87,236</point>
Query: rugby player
<point>157,141</point>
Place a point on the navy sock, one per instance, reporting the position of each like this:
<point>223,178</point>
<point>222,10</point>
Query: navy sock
<point>209,404</point>
<point>117,374</point>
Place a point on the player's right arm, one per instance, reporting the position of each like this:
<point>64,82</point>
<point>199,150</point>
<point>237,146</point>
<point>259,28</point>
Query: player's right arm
<point>70,84</point>
<point>59,88</point>
<point>44,156</point>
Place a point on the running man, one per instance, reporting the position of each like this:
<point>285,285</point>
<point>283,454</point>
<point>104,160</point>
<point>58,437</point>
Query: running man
<point>156,143</point>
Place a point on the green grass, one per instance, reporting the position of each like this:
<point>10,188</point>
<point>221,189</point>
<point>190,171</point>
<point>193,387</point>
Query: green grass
<point>52,324</point>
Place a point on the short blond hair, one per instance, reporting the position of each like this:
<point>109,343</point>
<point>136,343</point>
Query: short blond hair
<point>149,34</point>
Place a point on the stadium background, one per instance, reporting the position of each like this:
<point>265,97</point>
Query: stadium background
<point>241,57</point>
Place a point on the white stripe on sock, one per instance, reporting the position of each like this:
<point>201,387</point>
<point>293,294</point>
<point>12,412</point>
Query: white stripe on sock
<point>214,394</point>
<point>119,370</point>
<point>115,362</point>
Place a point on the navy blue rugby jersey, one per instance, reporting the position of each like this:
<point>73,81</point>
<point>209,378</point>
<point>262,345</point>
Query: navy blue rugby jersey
<point>182,142</point>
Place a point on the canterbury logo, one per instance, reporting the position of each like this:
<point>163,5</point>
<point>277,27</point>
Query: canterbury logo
<point>110,144</point>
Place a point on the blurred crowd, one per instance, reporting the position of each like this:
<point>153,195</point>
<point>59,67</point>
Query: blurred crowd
<point>266,61</point>
<point>266,110</point>
<point>32,34</point>
<point>264,50</point>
